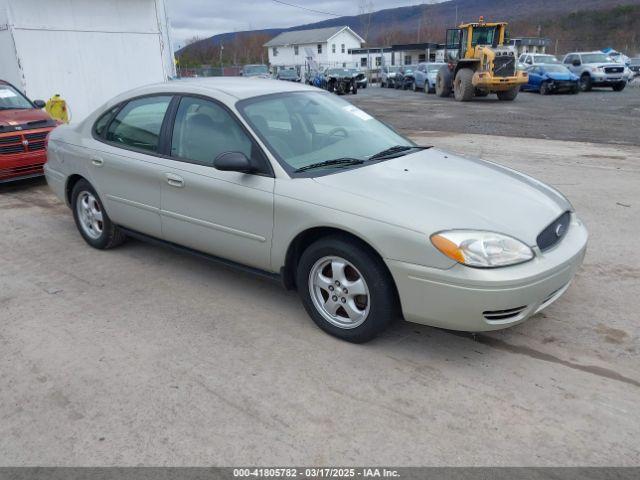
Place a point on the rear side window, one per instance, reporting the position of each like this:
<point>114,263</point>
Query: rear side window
<point>139,122</point>
<point>101,124</point>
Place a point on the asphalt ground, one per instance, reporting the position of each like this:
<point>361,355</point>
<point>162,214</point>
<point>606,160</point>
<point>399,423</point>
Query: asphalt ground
<point>600,116</point>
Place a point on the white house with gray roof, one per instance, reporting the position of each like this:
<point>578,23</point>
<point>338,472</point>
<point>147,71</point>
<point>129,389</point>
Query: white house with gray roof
<point>328,47</point>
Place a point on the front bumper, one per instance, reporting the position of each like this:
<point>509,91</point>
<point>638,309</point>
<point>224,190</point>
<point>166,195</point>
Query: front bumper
<point>599,80</point>
<point>22,153</point>
<point>485,81</point>
<point>563,85</point>
<point>476,300</point>
<point>21,166</point>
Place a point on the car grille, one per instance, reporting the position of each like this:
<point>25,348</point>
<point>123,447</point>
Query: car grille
<point>23,143</point>
<point>613,69</point>
<point>504,66</point>
<point>498,315</point>
<point>555,232</point>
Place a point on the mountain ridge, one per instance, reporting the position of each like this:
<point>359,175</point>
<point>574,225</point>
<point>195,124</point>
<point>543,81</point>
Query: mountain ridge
<point>428,22</point>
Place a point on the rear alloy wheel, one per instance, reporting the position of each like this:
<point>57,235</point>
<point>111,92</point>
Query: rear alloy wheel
<point>346,289</point>
<point>92,220</point>
<point>414,87</point>
<point>585,83</point>
<point>463,89</point>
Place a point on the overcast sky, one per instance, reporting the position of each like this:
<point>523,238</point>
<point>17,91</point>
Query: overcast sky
<point>204,18</point>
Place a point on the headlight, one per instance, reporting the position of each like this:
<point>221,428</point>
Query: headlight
<point>481,249</point>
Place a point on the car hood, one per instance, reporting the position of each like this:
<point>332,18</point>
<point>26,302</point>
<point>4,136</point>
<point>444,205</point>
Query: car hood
<point>432,191</point>
<point>22,117</point>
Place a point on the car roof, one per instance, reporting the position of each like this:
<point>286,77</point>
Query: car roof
<point>239,87</point>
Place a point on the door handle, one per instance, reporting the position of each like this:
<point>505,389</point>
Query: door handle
<point>174,180</point>
<point>97,161</point>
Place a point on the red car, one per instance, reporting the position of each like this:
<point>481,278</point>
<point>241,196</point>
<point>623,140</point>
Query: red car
<point>24,127</point>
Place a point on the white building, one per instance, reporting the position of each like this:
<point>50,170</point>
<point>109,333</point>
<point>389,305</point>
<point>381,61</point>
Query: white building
<point>327,47</point>
<point>85,50</point>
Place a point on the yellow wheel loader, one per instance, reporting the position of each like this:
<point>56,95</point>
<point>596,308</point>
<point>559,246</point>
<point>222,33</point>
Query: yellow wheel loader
<point>479,63</point>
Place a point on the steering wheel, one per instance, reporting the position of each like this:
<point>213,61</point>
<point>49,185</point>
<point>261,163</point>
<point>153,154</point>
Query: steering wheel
<point>338,130</point>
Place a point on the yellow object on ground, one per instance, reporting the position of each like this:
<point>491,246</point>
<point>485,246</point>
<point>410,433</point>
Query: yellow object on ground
<point>57,108</point>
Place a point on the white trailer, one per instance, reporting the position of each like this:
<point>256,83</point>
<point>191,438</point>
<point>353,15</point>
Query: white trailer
<point>85,50</point>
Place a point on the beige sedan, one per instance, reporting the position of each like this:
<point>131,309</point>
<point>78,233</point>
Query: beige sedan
<point>296,184</point>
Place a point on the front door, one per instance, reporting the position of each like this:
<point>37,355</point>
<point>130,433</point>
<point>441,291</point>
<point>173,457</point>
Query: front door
<point>226,214</point>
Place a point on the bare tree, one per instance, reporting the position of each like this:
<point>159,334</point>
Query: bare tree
<point>365,11</point>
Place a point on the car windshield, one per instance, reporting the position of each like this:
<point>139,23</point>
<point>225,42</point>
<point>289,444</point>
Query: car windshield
<point>434,67</point>
<point>256,70</point>
<point>288,73</point>
<point>555,68</point>
<point>339,71</point>
<point>545,59</point>
<point>12,99</point>
<point>305,128</point>
<point>595,58</point>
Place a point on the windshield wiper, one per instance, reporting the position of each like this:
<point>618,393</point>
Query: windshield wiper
<point>330,163</point>
<point>394,151</point>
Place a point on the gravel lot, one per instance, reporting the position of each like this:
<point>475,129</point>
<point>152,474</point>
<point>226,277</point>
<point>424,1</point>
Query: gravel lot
<point>143,356</point>
<point>598,116</point>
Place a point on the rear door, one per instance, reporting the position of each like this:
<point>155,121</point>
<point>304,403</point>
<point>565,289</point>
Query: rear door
<point>226,214</point>
<point>124,165</point>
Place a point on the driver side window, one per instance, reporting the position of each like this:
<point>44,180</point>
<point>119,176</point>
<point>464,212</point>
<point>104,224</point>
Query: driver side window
<point>203,130</point>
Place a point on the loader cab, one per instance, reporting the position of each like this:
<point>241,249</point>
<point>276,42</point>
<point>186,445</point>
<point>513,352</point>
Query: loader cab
<point>462,41</point>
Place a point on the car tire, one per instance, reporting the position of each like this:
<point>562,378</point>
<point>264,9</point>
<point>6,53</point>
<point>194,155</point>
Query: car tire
<point>443,82</point>
<point>414,87</point>
<point>339,262</point>
<point>585,82</point>
<point>544,89</point>
<point>92,221</point>
<point>508,95</point>
<point>463,89</point>
<point>618,87</point>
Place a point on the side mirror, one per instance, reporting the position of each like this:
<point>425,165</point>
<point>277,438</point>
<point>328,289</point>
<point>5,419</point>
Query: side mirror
<point>576,63</point>
<point>40,104</point>
<point>233,162</point>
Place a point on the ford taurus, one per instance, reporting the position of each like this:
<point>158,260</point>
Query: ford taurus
<point>297,184</point>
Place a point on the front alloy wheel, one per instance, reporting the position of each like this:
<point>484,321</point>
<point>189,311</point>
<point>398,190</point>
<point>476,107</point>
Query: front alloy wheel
<point>339,292</point>
<point>346,288</point>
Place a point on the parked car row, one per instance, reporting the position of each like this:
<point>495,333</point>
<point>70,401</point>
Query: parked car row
<point>578,71</point>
